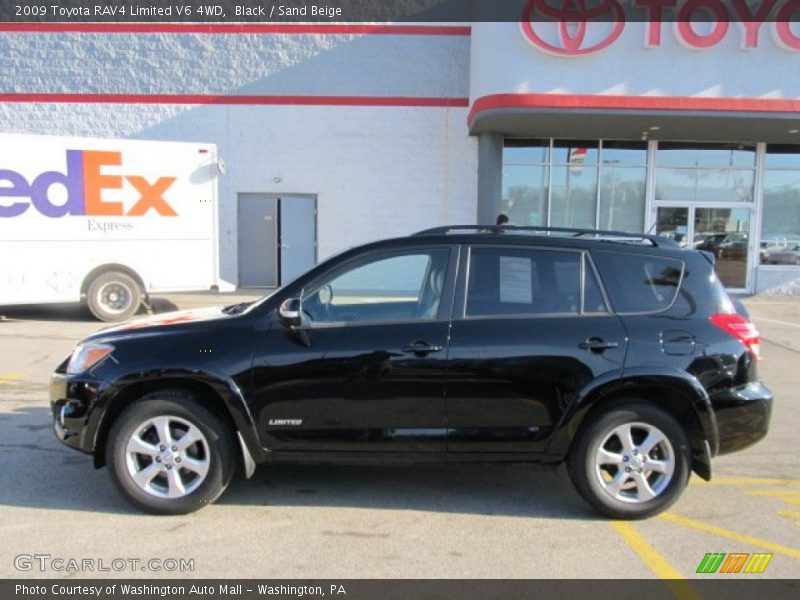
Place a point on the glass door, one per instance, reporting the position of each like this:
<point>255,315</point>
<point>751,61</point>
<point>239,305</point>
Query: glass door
<point>673,222</point>
<point>724,231</point>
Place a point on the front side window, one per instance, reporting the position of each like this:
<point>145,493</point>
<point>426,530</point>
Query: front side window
<point>396,287</point>
<point>523,281</point>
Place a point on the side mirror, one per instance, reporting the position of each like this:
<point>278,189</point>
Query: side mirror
<point>291,312</point>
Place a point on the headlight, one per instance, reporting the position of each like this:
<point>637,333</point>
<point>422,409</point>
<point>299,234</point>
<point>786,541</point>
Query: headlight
<point>85,356</point>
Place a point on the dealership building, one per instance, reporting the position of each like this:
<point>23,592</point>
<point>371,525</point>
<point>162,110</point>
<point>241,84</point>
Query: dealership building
<point>334,135</point>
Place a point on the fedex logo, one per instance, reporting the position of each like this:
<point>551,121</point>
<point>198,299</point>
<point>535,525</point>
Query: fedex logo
<point>84,182</point>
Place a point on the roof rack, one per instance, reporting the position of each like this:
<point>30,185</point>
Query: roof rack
<point>608,235</point>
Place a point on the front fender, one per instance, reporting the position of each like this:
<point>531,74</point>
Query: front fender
<point>126,388</point>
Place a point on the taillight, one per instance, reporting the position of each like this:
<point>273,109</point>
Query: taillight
<point>740,328</point>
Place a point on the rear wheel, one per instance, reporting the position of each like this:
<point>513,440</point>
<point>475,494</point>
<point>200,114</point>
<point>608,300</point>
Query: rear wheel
<point>169,455</point>
<point>631,462</point>
<point>114,296</point>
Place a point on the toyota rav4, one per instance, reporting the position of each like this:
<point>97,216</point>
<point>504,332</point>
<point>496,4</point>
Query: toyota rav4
<point>620,354</point>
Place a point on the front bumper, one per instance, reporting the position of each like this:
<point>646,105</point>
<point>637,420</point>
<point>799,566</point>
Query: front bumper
<point>743,415</point>
<point>73,402</point>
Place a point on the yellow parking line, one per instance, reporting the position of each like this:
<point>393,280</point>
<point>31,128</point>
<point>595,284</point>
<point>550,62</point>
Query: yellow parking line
<point>746,481</point>
<point>6,378</point>
<point>663,569</point>
<point>731,535</point>
<point>790,514</point>
<point>657,563</point>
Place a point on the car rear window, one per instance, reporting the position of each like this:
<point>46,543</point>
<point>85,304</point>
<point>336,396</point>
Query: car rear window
<point>638,283</point>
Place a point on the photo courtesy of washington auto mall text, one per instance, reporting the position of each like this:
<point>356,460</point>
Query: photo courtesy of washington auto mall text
<point>399,299</point>
<point>187,590</point>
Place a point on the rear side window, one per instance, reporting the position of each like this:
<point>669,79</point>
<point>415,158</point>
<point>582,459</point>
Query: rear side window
<point>638,283</point>
<point>522,281</point>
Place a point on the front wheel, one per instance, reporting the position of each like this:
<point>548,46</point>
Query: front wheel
<point>631,462</point>
<point>169,455</point>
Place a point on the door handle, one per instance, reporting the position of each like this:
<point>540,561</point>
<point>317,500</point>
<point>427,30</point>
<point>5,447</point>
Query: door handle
<point>421,348</point>
<point>597,345</point>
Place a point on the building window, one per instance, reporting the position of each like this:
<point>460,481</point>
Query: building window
<point>573,201</point>
<point>526,181</point>
<point>575,183</point>
<point>705,172</point>
<point>780,221</point>
<point>623,184</point>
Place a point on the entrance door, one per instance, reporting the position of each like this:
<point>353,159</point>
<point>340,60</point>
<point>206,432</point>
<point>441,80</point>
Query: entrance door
<point>277,238</point>
<point>258,239</point>
<point>298,235</point>
<point>725,231</point>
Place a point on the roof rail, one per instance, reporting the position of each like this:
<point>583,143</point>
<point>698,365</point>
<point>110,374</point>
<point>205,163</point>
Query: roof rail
<point>655,240</point>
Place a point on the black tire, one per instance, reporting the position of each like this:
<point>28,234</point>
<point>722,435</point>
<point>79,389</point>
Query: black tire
<point>215,450</point>
<point>114,296</point>
<point>631,501</point>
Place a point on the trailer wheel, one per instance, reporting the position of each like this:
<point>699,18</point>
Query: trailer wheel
<point>113,296</point>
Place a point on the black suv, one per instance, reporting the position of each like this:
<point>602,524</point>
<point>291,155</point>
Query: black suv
<point>618,353</point>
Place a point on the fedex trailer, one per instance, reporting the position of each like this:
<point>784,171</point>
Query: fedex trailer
<point>107,221</point>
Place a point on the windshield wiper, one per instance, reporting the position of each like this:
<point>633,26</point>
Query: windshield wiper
<point>235,309</point>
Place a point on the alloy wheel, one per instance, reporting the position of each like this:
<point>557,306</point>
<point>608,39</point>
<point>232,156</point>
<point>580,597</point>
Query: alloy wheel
<point>635,462</point>
<point>167,457</point>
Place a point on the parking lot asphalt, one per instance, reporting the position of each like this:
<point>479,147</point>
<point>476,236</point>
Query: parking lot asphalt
<point>465,521</point>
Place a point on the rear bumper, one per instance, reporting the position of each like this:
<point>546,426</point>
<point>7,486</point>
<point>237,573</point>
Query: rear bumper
<point>743,415</point>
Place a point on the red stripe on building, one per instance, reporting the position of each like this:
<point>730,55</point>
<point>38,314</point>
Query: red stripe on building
<point>266,100</point>
<point>432,30</point>
<point>659,103</point>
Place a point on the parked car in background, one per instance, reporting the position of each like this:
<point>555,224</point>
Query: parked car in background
<point>620,354</point>
<point>785,256</point>
<point>733,247</point>
<point>710,242</point>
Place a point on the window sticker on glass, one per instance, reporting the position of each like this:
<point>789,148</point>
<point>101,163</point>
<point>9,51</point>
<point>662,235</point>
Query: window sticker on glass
<point>515,279</point>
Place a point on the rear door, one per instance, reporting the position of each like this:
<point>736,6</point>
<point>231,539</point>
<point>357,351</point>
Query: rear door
<point>531,328</point>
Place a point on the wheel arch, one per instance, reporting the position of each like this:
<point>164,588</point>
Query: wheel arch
<point>221,398</point>
<point>682,397</point>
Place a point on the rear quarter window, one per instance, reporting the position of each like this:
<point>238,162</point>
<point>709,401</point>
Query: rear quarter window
<point>639,283</point>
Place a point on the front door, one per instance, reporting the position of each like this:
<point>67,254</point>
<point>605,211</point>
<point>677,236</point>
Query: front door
<point>725,231</point>
<point>365,369</point>
<point>534,328</point>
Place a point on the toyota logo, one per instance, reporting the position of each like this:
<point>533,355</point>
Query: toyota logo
<point>575,28</point>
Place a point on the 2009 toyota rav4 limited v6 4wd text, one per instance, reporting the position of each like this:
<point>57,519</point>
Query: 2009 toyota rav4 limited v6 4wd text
<point>618,353</point>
